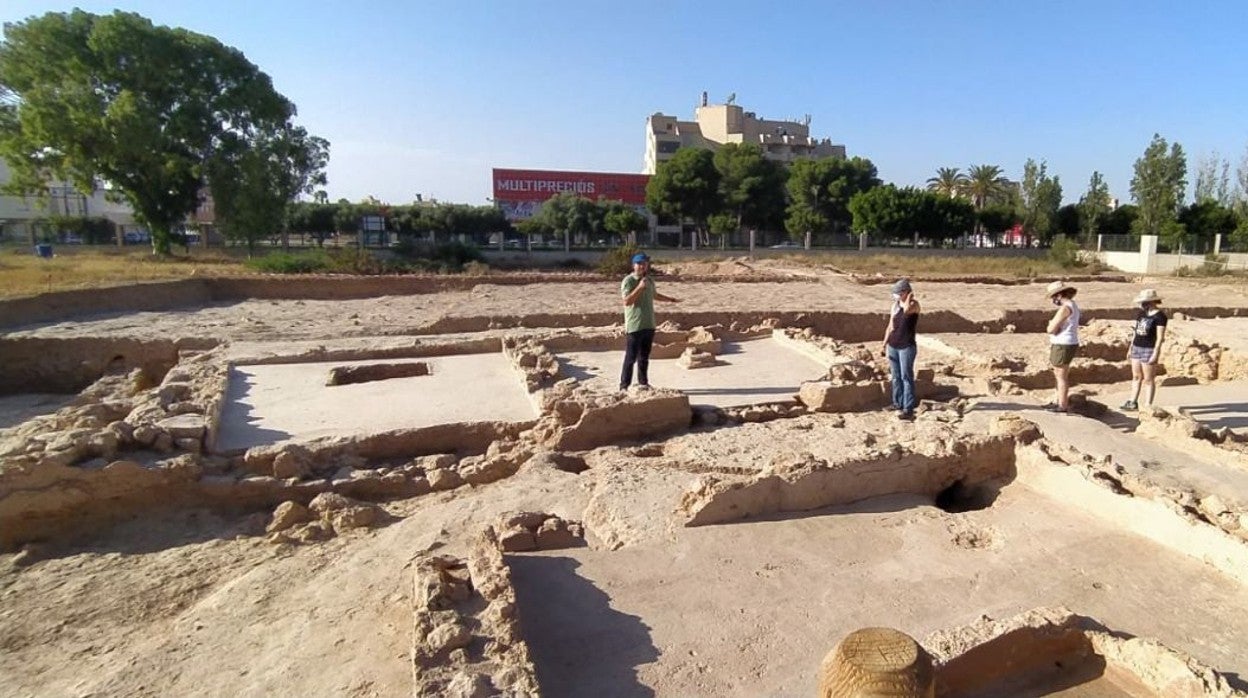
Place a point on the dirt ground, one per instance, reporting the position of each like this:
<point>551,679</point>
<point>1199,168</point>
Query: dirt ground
<point>196,600</point>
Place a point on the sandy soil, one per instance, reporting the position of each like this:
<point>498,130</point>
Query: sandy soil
<point>199,603</point>
<point>390,315</point>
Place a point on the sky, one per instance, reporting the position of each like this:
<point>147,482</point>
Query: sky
<point>427,97</point>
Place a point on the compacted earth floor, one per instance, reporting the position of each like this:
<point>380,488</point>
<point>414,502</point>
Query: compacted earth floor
<point>199,602</point>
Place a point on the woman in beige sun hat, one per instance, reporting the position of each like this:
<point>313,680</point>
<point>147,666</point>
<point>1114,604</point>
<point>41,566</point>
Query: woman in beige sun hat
<point>1063,332</point>
<point>1146,337</point>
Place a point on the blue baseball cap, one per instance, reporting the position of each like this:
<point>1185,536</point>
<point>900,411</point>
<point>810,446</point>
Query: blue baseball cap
<point>641,257</point>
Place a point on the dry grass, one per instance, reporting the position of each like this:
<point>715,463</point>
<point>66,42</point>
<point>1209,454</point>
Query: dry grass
<point>24,274</point>
<point>937,265</point>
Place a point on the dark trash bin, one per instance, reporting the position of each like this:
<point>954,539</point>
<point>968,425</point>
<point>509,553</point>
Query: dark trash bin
<point>44,250</point>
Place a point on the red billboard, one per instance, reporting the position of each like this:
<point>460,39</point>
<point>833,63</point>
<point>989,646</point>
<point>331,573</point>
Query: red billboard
<point>520,192</point>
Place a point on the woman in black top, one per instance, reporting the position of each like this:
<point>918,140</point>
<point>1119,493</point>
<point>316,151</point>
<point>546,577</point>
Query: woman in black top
<point>1146,337</point>
<point>900,348</point>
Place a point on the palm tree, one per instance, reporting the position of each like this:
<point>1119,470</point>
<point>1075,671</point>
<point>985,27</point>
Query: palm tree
<point>985,182</point>
<point>948,181</point>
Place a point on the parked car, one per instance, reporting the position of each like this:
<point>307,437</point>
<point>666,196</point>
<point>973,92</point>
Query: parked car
<point>72,239</point>
<point>787,245</point>
<point>136,237</point>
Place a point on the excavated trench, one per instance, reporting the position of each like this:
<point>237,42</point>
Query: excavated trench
<point>148,434</point>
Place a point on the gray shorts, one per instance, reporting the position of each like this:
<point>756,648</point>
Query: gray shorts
<point>1141,353</point>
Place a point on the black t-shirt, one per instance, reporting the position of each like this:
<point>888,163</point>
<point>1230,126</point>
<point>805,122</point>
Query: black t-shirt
<point>1146,329</point>
<point>904,327</point>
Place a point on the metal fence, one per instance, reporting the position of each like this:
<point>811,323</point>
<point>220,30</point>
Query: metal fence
<point>1118,243</point>
<point>1199,246</point>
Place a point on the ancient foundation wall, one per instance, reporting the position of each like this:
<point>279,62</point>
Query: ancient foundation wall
<point>805,486</point>
<point>1048,649</point>
<point>59,305</point>
<point>66,365</point>
<point>1154,519</point>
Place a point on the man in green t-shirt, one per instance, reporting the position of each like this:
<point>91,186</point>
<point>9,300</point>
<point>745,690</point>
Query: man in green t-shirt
<point>639,296</point>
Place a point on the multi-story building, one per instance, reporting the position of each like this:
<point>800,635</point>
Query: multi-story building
<point>717,124</point>
<point>20,215</point>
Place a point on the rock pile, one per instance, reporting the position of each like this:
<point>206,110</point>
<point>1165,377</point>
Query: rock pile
<point>533,360</point>
<point>528,530</point>
<point>466,640</point>
<point>692,358</point>
<point>328,515</point>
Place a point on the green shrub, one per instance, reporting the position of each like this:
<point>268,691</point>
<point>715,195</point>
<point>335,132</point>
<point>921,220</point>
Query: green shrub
<point>444,257</point>
<point>291,263</point>
<point>457,254</point>
<point>618,261</point>
<point>1065,253</point>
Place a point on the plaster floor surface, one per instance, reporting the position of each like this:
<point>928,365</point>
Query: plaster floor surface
<point>750,609</point>
<point>275,402</point>
<point>750,372</point>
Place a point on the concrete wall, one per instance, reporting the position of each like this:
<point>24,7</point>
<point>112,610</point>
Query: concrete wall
<point>1148,261</point>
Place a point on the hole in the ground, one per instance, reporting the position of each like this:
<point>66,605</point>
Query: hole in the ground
<point>116,365</point>
<point>569,464</point>
<point>960,497</point>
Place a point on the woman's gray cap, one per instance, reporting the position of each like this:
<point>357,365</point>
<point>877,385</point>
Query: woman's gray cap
<point>901,286</point>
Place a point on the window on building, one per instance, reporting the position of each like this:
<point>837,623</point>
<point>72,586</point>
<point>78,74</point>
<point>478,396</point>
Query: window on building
<point>667,147</point>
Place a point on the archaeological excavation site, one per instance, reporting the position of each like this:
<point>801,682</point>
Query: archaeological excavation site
<point>432,486</point>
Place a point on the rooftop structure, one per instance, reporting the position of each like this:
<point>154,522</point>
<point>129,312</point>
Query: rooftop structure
<point>717,124</point>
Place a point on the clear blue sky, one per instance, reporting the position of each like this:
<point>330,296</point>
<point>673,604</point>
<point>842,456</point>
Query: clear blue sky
<point>428,96</point>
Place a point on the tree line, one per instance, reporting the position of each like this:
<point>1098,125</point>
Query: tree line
<point>737,188</point>
<point>438,221</point>
<point>158,117</point>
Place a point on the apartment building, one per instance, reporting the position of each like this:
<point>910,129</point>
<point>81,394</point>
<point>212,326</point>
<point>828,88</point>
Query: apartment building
<point>717,124</point>
<point>19,215</point>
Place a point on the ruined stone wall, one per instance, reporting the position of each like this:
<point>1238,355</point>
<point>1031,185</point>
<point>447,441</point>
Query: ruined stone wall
<point>67,365</point>
<point>59,305</point>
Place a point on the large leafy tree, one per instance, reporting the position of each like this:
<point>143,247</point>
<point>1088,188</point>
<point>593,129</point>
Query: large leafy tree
<point>905,212</point>
<point>1119,221</point>
<point>1041,197</point>
<point>142,107</point>
<point>884,210</point>
<point>996,219</point>
<point>820,192</point>
<point>621,220</point>
<point>1066,222</point>
<point>315,219</point>
<point>686,188</point>
<point>942,218</point>
<point>1204,220</point>
<point>575,216</point>
<point>751,188</point>
<point>1158,188</point>
<point>1093,206</point>
<point>255,178</point>
<point>949,181</point>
